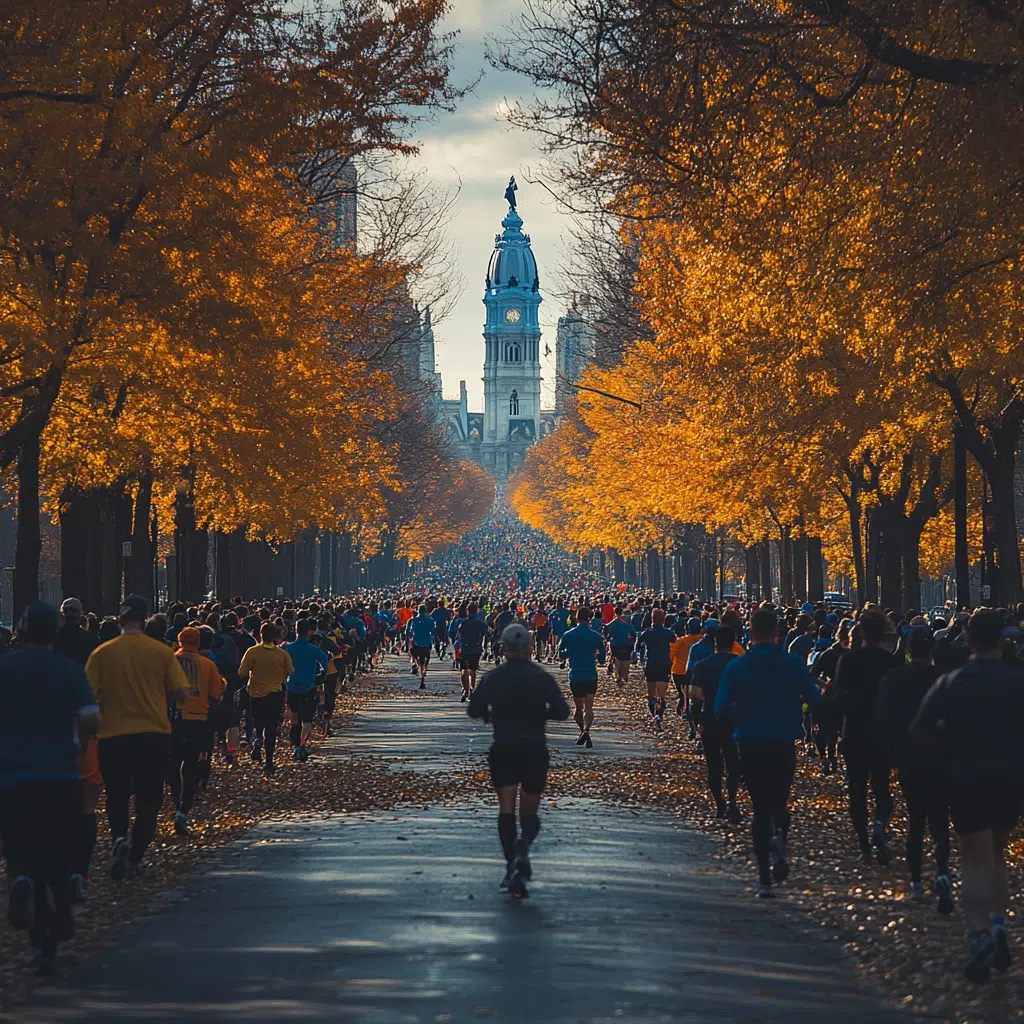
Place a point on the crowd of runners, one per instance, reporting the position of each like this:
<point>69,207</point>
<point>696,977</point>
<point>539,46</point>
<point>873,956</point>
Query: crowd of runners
<point>139,709</point>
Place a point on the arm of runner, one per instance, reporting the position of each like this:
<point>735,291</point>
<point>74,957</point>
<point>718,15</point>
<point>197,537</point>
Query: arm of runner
<point>176,685</point>
<point>558,707</point>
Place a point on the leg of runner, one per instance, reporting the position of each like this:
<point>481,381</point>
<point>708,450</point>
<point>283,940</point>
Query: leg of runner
<point>330,698</point>
<point>588,719</point>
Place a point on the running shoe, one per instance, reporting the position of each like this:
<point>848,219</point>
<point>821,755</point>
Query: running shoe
<point>978,967</point>
<point>257,752</point>
<point>589,742</point>
<point>735,815</point>
<point>943,890</point>
<point>181,823</point>
<point>465,697</point>
<point>119,865</point>
<point>582,738</point>
<point>303,754</point>
<point>917,891</point>
<point>521,864</point>
<point>21,902</point>
<point>517,886</point>
<point>780,866</point>
<point>1003,959</point>
<point>503,885</point>
<point>764,892</point>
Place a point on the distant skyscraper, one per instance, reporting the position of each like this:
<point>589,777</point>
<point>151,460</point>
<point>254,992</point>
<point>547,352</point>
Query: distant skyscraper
<point>574,352</point>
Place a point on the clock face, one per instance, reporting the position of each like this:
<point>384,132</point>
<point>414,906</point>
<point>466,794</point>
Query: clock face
<point>512,315</point>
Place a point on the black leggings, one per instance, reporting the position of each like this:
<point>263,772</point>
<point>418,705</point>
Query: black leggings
<point>134,764</point>
<point>722,758</point>
<point>864,765</point>
<point>927,803</point>
<point>330,694</point>
<point>266,713</point>
<point>188,743</point>
<point>40,823</point>
<point>829,719</point>
<point>768,770</point>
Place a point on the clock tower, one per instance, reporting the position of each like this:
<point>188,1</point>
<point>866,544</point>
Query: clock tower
<point>512,347</point>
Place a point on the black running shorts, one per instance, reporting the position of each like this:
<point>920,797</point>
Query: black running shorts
<point>657,673</point>
<point>471,660</point>
<point>421,653</point>
<point>622,653</point>
<point>303,704</point>
<point>514,764</point>
<point>990,803</point>
<point>584,688</point>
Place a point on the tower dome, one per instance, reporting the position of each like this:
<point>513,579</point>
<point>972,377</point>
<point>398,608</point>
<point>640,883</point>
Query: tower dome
<point>512,263</point>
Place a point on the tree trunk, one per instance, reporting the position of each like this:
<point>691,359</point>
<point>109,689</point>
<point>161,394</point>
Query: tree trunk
<point>815,570</point>
<point>140,578</point>
<point>618,567</point>
<point>110,565</point>
<point>912,567</point>
<point>961,556</point>
<point>800,569</point>
<point>753,573</point>
<point>871,560</point>
<point>222,585</point>
<point>28,543</point>
<point>74,545</point>
<point>123,508</point>
<point>1006,589</point>
<point>765,553</point>
<point>891,525</point>
<point>653,569</point>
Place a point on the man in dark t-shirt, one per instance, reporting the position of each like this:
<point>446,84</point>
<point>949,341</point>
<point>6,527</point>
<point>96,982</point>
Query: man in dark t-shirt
<point>518,698</point>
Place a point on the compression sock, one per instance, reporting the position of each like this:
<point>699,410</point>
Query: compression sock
<point>531,826</point>
<point>295,734</point>
<point>652,706</point>
<point>87,843</point>
<point>507,834</point>
<point>661,706</point>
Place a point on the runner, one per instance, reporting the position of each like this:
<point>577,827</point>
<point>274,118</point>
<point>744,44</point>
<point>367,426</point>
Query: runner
<point>267,668</point>
<point>762,694</point>
<point>583,648</point>
<point>622,639</point>
<point>716,730</point>
<point>469,641</point>
<point>135,679</point>
<point>974,717</point>
<point>308,662</point>
<point>422,631</point>
<point>655,641</point>
<point>518,698</point>
<point>189,724</point>
<point>45,703</point>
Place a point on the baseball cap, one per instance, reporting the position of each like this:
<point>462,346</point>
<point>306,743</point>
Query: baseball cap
<point>71,608</point>
<point>135,608</point>
<point>515,639</point>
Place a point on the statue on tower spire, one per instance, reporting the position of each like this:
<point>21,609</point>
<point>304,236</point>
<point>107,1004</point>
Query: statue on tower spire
<point>510,192</point>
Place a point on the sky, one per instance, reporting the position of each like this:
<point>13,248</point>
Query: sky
<point>476,146</point>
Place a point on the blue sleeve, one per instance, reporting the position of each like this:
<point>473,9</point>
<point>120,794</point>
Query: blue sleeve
<point>600,650</point>
<point>808,688</point>
<point>723,698</point>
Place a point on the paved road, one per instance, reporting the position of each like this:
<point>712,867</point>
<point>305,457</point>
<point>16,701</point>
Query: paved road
<point>396,918</point>
<point>446,738</point>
